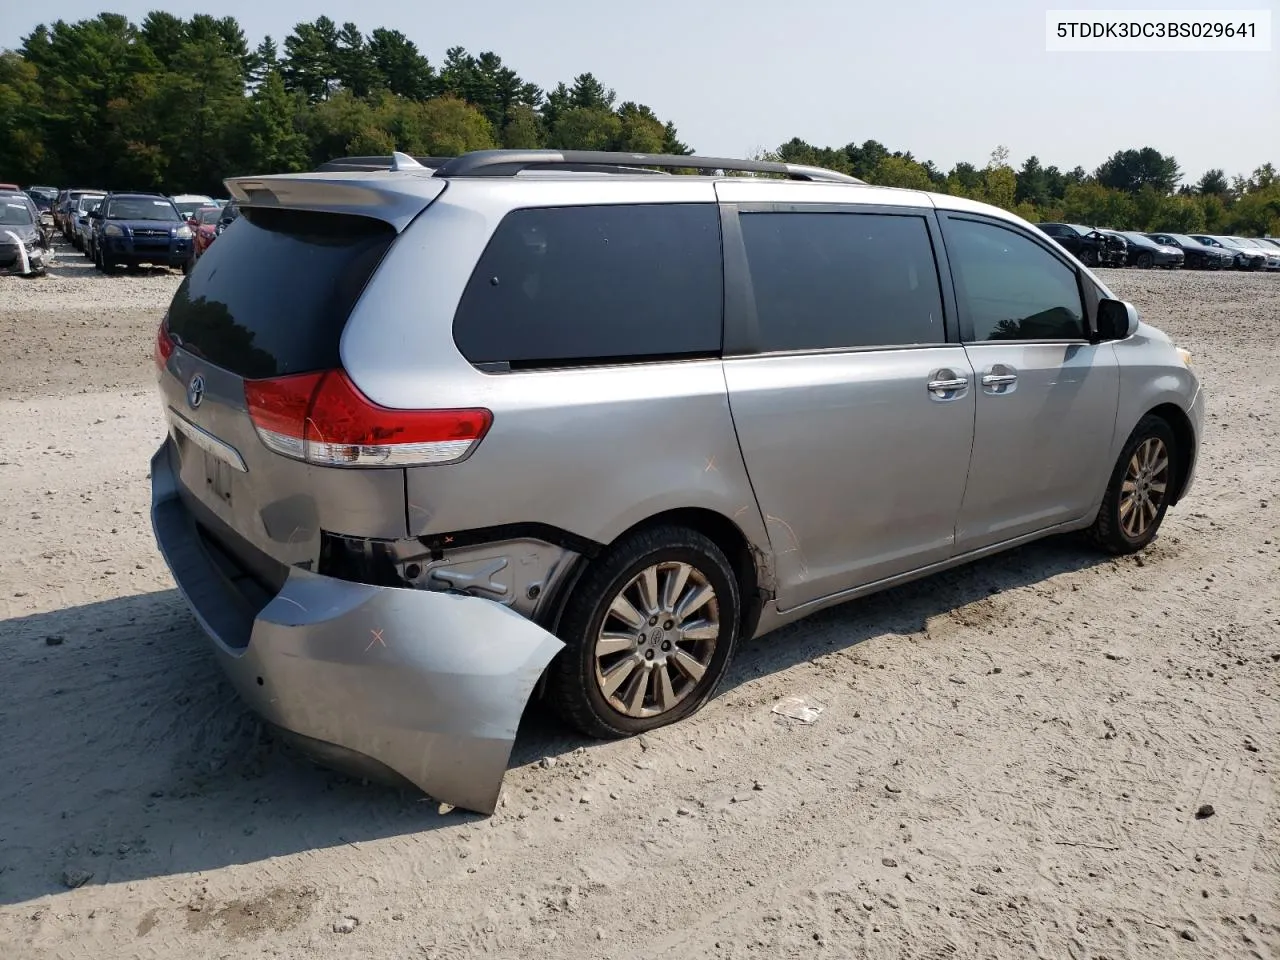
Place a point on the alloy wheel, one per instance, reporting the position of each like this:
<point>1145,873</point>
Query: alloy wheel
<point>1145,485</point>
<point>657,639</point>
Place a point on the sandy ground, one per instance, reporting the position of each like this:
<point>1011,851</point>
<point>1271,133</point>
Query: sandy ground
<point>1009,763</point>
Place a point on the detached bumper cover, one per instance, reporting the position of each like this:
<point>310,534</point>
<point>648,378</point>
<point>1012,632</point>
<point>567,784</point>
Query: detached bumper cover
<point>431,685</point>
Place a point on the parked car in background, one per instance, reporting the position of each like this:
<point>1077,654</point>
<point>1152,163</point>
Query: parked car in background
<point>1270,252</point>
<point>1197,255</point>
<point>42,197</point>
<point>204,224</point>
<point>189,203</point>
<point>229,214</point>
<point>66,203</point>
<point>1242,258</point>
<point>387,397</point>
<point>1146,253</point>
<point>82,226</point>
<point>1086,244</point>
<point>140,228</point>
<point>10,188</point>
<point>24,247</point>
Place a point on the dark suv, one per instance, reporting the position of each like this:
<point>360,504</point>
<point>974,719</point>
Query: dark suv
<point>136,228</point>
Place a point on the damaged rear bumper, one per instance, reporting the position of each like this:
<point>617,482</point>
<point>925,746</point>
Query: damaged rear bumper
<point>430,685</point>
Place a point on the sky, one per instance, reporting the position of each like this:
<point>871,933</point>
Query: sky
<point>948,81</point>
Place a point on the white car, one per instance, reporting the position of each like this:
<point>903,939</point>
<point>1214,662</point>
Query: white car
<point>189,203</point>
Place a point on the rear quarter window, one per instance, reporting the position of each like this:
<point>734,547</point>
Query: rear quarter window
<point>272,296</point>
<point>595,284</point>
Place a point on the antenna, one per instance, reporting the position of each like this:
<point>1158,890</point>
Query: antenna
<point>402,161</point>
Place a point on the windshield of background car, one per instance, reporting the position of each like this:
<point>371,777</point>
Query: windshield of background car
<point>188,209</point>
<point>208,216</point>
<point>1083,231</point>
<point>1187,241</point>
<point>138,208</point>
<point>15,215</point>
<point>1139,240</point>
<point>87,203</point>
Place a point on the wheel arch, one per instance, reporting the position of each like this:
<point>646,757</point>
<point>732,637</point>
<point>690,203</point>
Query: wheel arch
<point>1185,443</point>
<point>750,564</point>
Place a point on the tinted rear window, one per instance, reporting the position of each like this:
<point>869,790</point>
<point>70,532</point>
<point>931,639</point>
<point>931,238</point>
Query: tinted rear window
<point>571,285</point>
<point>272,295</point>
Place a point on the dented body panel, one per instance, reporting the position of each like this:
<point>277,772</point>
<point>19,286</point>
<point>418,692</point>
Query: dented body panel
<point>429,685</point>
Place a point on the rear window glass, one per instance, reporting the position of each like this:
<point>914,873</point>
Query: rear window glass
<point>573,285</point>
<point>272,295</point>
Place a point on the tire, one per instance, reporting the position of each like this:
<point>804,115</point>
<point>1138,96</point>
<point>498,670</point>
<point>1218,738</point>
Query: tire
<point>1090,258</point>
<point>187,265</point>
<point>1122,531</point>
<point>1146,261</point>
<point>577,678</point>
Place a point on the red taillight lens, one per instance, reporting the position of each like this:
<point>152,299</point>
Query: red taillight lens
<point>164,345</point>
<point>323,418</point>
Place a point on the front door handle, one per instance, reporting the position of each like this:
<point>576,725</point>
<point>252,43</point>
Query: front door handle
<point>942,386</point>
<point>998,379</point>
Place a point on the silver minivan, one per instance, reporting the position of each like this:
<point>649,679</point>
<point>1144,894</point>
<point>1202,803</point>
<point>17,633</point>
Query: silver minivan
<point>443,435</point>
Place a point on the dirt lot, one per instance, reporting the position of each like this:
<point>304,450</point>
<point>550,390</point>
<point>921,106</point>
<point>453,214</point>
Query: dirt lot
<point>1009,764</point>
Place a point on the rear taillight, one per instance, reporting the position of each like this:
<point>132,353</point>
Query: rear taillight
<point>323,418</point>
<point>164,345</point>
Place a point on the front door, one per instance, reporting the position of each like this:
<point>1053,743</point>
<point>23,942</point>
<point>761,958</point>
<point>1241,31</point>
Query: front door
<point>854,413</point>
<point>1046,397</point>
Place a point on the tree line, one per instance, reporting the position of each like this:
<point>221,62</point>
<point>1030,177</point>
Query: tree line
<point>179,104</point>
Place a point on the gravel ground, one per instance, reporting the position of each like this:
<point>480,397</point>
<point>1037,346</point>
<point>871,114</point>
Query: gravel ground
<point>1016,759</point>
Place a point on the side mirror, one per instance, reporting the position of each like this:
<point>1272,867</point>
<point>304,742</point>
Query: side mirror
<point>1117,320</point>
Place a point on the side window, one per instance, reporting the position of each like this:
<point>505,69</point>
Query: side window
<point>1012,288</point>
<point>563,285</point>
<point>833,280</point>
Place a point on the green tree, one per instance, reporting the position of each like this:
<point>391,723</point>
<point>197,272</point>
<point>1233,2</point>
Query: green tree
<point>401,68</point>
<point>1095,205</point>
<point>640,131</point>
<point>353,64</point>
<point>1214,181</point>
<point>586,128</point>
<point>900,172</point>
<point>523,129</point>
<point>275,141</point>
<point>1131,170</point>
<point>311,58</point>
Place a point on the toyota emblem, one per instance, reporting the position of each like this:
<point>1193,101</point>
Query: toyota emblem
<point>195,391</point>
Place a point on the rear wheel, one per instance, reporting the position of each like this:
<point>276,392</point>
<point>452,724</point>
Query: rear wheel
<point>649,632</point>
<point>1138,495</point>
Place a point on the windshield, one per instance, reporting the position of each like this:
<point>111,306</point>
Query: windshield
<point>208,216</point>
<point>15,215</point>
<point>1139,239</point>
<point>87,203</point>
<point>188,207</point>
<point>1186,241</point>
<point>1083,231</point>
<point>137,208</point>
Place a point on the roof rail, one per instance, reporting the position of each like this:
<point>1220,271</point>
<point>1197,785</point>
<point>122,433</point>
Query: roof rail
<point>349,164</point>
<point>507,163</point>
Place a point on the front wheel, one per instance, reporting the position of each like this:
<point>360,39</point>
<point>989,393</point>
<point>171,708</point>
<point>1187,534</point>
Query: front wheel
<point>1090,258</point>
<point>648,632</point>
<point>1138,494</point>
<point>1146,261</point>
